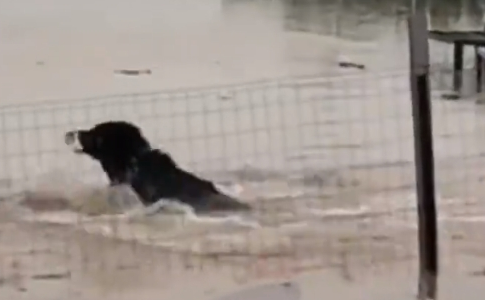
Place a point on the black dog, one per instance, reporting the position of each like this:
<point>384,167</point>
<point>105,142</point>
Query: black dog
<point>114,144</point>
<point>127,157</point>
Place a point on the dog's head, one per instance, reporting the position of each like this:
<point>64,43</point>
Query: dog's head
<point>116,145</point>
<point>84,142</point>
<point>109,139</point>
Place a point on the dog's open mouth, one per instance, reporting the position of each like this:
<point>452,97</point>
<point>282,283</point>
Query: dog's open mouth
<point>71,139</point>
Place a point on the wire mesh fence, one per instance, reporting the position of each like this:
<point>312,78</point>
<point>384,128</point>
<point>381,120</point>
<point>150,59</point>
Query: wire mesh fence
<point>327,163</point>
<point>458,134</point>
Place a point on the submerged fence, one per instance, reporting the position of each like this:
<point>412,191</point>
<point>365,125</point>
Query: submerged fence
<point>327,162</point>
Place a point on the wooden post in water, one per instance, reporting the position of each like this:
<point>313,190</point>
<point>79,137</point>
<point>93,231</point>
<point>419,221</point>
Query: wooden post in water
<point>457,67</point>
<point>478,70</point>
<point>424,158</point>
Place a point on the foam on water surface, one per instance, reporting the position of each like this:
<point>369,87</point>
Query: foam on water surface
<point>273,227</point>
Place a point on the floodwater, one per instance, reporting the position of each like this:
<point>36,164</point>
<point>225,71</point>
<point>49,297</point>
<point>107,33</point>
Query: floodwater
<point>276,119</point>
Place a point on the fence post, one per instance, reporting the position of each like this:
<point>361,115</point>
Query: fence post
<point>424,158</point>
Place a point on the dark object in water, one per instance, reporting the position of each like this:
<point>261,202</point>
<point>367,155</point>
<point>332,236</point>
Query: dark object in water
<point>127,158</point>
<point>346,64</point>
<point>51,276</point>
<point>134,72</point>
<point>450,96</point>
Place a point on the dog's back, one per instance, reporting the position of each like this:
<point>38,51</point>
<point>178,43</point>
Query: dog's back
<point>158,176</point>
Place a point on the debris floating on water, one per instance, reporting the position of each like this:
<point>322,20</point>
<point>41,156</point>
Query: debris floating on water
<point>133,72</point>
<point>347,64</point>
<point>450,96</point>
<point>50,276</point>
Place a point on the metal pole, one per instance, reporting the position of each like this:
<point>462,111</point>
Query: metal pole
<point>424,158</point>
